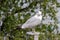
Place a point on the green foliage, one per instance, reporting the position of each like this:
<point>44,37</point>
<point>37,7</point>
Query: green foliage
<point>11,8</point>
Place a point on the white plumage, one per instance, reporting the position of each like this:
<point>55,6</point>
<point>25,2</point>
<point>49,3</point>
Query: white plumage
<point>33,21</point>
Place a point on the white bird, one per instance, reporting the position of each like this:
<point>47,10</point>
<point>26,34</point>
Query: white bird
<point>33,21</point>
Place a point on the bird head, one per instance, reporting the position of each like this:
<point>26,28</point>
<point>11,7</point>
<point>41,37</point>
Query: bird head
<point>39,13</point>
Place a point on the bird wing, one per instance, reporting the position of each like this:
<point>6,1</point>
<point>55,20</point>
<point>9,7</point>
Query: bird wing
<point>32,22</point>
<point>32,19</point>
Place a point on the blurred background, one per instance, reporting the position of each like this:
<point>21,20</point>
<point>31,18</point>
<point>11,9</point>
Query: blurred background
<point>15,12</point>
